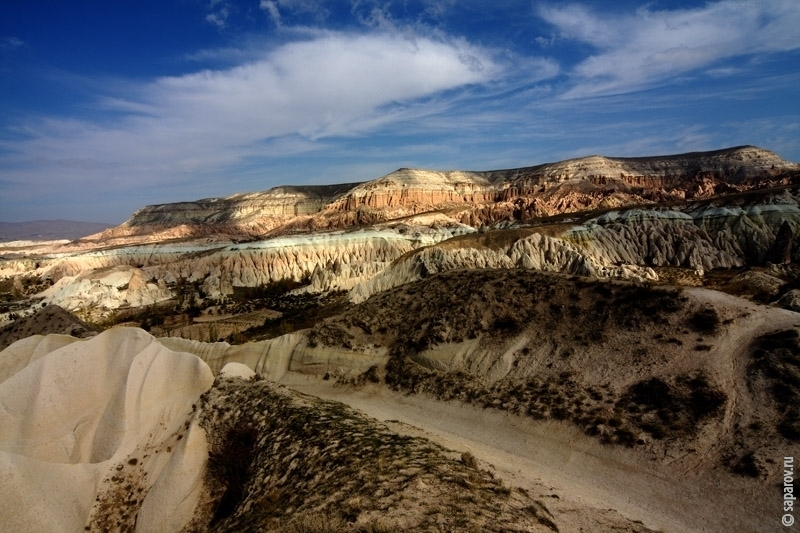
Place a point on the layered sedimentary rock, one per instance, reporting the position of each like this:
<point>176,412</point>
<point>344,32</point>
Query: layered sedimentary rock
<point>240,214</point>
<point>537,251</point>
<point>740,164</point>
<point>478,198</point>
<point>141,275</point>
<point>621,243</point>
<point>414,189</point>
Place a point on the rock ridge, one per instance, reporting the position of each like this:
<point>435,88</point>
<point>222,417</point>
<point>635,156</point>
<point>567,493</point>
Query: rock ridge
<point>479,197</point>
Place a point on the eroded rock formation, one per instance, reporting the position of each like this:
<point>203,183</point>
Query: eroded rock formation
<point>100,434</point>
<point>404,216</point>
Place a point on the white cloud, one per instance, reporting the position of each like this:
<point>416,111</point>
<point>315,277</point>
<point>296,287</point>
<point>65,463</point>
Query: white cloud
<point>319,87</point>
<point>330,84</point>
<point>644,48</point>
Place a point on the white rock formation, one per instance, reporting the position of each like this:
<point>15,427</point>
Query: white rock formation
<point>236,370</point>
<point>93,432</point>
<point>24,352</point>
<point>121,286</point>
<point>140,275</point>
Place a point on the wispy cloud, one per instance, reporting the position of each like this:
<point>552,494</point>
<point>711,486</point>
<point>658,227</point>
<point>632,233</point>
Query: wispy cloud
<point>11,43</point>
<point>276,9</point>
<point>645,48</point>
<point>220,10</point>
<point>271,8</point>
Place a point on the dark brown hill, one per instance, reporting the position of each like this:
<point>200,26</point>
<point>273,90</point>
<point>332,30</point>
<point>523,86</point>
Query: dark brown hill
<point>49,319</point>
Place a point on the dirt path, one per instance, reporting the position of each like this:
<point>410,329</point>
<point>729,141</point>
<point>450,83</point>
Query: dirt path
<point>557,458</point>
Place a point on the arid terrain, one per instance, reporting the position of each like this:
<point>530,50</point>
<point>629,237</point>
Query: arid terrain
<point>599,344</point>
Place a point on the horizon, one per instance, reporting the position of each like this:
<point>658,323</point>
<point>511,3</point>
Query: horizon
<point>109,108</point>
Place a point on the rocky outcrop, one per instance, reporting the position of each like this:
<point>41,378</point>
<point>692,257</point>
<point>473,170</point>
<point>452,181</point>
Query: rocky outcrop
<point>781,250</point>
<point>121,286</point>
<point>622,244</point>
<point>790,300</point>
<point>239,214</point>
<point>406,191</point>
<point>275,358</point>
<point>652,238</point>
<point>737,165</point>
<point>142,275</point>
<point>536,251</point>
<point>759,284</point>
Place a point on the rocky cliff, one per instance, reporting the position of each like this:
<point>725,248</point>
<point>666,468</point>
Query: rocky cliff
<point>239,214</point>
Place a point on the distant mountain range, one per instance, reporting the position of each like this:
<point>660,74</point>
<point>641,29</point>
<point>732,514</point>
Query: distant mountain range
<point>48,230</point>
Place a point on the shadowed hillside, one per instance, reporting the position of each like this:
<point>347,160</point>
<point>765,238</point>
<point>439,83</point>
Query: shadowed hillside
<point>49,319</point>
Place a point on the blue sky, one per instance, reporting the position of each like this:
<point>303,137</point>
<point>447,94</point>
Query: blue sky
<point>108,106</point>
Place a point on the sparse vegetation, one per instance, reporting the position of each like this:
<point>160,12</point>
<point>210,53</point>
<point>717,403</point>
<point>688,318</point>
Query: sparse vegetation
<point>50,319</point>
<point>296,312</point>
<point>284,462</point>
<point>458,305</point>
<point>230,460</point>
<point>673,408</point>
<point>704,321</point>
